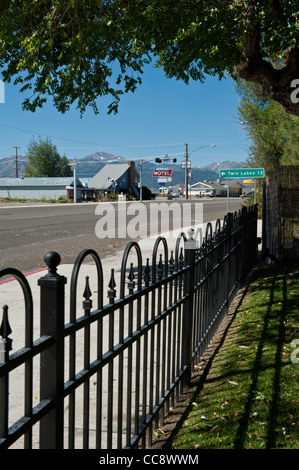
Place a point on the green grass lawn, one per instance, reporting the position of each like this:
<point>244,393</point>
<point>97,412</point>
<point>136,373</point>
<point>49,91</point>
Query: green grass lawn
<point>250,396</point>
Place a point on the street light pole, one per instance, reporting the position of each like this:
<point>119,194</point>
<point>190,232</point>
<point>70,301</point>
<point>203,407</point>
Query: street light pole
<point>186,172</point>
<point>140,182</point>
<point>141,166</point>
<point>74,164</point>
<point>187,166</point>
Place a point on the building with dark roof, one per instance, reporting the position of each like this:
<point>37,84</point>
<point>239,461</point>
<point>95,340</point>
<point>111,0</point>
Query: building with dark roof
<point>118,177</point>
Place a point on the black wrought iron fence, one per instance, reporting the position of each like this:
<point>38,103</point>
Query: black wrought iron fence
<point>147,337</point>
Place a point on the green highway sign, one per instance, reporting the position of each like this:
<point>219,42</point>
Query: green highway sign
<point>242,173</point>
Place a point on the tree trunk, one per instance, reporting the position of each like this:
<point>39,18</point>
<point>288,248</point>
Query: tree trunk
<point>277,84</point>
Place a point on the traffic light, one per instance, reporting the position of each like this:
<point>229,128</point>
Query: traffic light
<point>165,159</point>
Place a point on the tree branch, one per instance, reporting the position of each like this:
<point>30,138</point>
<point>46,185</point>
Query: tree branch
<point>276,83</point>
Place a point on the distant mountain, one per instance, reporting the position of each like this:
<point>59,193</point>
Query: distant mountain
<point>8,166</point>
<point>102,157</point>
<point>91,164</point>
<point>87,166</point>
<point>227,165</point>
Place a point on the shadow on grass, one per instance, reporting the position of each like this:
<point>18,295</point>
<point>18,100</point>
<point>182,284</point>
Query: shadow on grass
<point>197,384</point>
<point>244,421</point>
<point>272,284</point>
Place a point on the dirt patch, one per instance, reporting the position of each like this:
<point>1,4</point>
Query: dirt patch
<point>8,202</point>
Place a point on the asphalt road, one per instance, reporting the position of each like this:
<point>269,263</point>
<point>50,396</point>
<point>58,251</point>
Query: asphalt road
<point>28,232</point>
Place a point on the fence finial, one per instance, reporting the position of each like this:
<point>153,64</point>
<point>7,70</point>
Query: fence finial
<point>171,263</point>
<point>181,258</point>
<point>160,268</point>
<point>87,303</point>
<point>52,260</point>
<point>5,328</point>
<point>147,271</point>
<point>5,342</point>
<point>190,245</point>
<point>112,285</point>
<point>87,292</point>
<point>131,277</point>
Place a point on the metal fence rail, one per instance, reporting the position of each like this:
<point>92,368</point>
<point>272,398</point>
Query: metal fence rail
<point>147,339</point>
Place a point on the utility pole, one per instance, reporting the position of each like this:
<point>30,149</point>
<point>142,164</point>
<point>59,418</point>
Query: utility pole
<point>17,171</point>
<point>141,182</point>
<point>188,167</point>
<point>186,172</point>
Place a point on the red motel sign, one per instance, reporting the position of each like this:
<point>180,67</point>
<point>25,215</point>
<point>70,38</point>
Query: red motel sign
<point>158,172</point>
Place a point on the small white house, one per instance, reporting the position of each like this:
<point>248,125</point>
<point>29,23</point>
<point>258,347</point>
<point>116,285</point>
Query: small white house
<point>217,188</point>
<point>202,188</point>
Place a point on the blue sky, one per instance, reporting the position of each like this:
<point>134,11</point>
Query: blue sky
<point>159,118</point>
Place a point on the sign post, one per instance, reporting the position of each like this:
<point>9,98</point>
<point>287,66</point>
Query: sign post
<point>254,190</point>
<point>227,197</point>
<point>237,173</point>
<point>242,173</point>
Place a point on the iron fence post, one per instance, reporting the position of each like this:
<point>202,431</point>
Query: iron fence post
<point>5,347</point>
<point>257,240</point>
<point>229,244</point>
<point>52,287</point>
<point>190,245</point>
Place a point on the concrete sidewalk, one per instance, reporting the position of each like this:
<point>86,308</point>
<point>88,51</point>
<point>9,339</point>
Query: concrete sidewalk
<point>11,294</point>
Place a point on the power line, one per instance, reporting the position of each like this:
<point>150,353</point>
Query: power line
<point>90,143</point>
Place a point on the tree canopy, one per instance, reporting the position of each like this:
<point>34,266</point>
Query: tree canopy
<point>273,133</point>
<point>45,161</point>
<point>78,51</point>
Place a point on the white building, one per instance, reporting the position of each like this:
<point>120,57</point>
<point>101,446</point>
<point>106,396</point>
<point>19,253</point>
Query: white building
<point>40,188</point>
<point>217,188</point>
